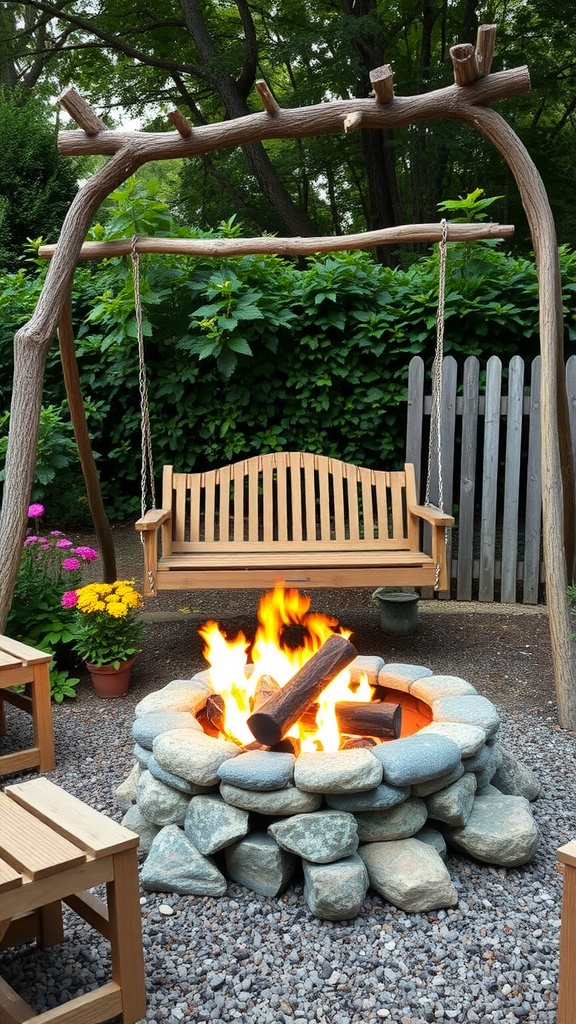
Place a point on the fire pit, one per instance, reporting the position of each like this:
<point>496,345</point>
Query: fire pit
<point>358,771</point>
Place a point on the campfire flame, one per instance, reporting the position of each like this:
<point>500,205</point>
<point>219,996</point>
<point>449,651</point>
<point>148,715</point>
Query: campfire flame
<point>271,654</point>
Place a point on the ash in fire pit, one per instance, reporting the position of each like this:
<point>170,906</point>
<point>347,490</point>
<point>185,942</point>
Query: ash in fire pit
<point>218,803</point>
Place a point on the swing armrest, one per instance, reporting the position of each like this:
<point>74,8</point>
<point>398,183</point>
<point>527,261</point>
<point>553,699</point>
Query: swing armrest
<point>431,515</point>
<point>152,519</point>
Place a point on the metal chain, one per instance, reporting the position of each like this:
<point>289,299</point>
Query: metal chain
<point>435,442</point>
<point>147,461</point>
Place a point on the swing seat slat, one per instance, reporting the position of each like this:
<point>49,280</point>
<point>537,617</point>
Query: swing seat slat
<point>294,519</point>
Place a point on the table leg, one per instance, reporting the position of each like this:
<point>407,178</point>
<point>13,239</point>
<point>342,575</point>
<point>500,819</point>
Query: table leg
<point>42,717</point>
<point>126,935</point>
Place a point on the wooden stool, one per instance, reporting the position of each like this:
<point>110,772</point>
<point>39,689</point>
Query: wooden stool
<point>22,664</point>
<point>53,848</point>
<point>567,981</point>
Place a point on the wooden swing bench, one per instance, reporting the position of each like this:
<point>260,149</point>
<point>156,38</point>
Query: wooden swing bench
<point>291,519</point>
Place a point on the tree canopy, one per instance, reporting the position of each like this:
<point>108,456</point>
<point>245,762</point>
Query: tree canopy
<point>204,58</point>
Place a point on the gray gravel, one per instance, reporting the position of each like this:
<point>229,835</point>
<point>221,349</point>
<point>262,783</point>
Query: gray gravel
<point>246,958</point>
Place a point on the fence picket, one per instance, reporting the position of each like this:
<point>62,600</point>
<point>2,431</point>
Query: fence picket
<point>490,479</point>
<point>494,469</point>
<point>512,480</point>
<point>533,522</point>
<point>468,457</point>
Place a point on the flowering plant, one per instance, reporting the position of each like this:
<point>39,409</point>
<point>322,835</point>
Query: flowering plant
<point>108,630</point>
<point>50,565</point>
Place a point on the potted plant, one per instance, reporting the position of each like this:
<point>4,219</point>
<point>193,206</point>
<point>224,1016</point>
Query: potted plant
<point>108,632</point>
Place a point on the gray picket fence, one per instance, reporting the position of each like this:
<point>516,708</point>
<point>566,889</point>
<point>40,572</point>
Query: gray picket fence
<point>490,475</point>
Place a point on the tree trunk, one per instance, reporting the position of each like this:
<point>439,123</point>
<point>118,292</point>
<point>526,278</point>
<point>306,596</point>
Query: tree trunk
<point>31,345</point>
<point>78,417</point>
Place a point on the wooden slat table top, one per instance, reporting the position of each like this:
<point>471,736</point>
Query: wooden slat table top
<point>9,877</point>
<point>31,846</point>
<point>86,828</point>
<point>15,652</point>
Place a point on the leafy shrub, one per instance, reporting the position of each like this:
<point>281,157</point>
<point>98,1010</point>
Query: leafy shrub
<point>257,353</point>
<point>50,566</point>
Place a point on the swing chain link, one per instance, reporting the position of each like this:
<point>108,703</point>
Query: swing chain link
<point>435,440</point>
<point>147,462</point>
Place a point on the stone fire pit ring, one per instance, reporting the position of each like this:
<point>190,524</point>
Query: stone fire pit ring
<point>384,816</point>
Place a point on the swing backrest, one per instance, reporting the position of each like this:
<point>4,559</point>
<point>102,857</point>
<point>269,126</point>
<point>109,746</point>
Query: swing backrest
<point>311,501</point>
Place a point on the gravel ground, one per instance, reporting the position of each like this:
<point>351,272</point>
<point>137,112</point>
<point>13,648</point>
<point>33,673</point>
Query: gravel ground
<point>246,958</point>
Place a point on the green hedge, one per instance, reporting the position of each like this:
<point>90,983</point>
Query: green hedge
<point>256,354</point>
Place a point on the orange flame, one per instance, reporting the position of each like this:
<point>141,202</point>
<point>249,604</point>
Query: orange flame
<point>280,613</point>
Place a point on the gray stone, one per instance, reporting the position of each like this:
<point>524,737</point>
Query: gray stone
<point>193,755</point>
<point>399,676</point>
<point>453,805</point>
<point>147,830</point>
<point>211,823</point>
<point>142,755</point>
<point>469,708</point>
<point>409,874</point>
<point>417,758</point>
<point>431,687</point>
<point>339,771</point>
<point>125,794</point>
<point>159,803</point>
<point>396,823</point>
<point>500,830</point>
<point>175,865</point>
<point>368,665</point>
<point>432,837</point>
<point>514,778</point>
<point>470,738</point>
<point>321,837</point>
<point>146,728</point>
<point>485,775</point>
<point>169,779</point>
<point>278,803</point>
<point>479,760</point>
<point>424,789</point>
<point>260,770</point>
<point>336,892</point>
<point>179,695</point>
<point>371,800</point>
<point>258,863</point>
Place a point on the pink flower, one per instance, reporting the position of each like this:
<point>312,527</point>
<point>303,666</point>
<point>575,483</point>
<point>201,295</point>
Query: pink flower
<point>56,533</point>
<point>69,599</point>
<point>63,543</point>
<point>30,540</point>
<point>88,554</point>
<point>35,510</point>
<point>70,564</point>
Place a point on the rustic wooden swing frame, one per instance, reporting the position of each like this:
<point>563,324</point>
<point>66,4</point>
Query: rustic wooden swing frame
<point>465,101</point>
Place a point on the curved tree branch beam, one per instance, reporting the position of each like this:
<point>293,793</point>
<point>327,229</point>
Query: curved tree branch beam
<point>453,102</point>
<point>557,471</point>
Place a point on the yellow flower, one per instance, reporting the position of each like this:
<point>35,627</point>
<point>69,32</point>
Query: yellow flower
<point>116,610</point>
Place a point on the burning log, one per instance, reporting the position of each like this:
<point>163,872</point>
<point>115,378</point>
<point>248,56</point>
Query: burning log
<point>265,688</point>
<point>289,745</point>
<point>354,742</point>
<point>276,716</point>
<point>215,711</point>
<point>373,718</point>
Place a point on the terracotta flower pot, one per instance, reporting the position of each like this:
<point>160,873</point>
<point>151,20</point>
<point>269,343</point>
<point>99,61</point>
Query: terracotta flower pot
<point>109,681</point>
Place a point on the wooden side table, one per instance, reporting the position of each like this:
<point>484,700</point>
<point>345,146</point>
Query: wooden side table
<point>567,982</point>
<point>22,664</point>
<point>55,849</point>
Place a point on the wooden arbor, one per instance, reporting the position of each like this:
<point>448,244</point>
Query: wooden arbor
<point>466,101</point>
